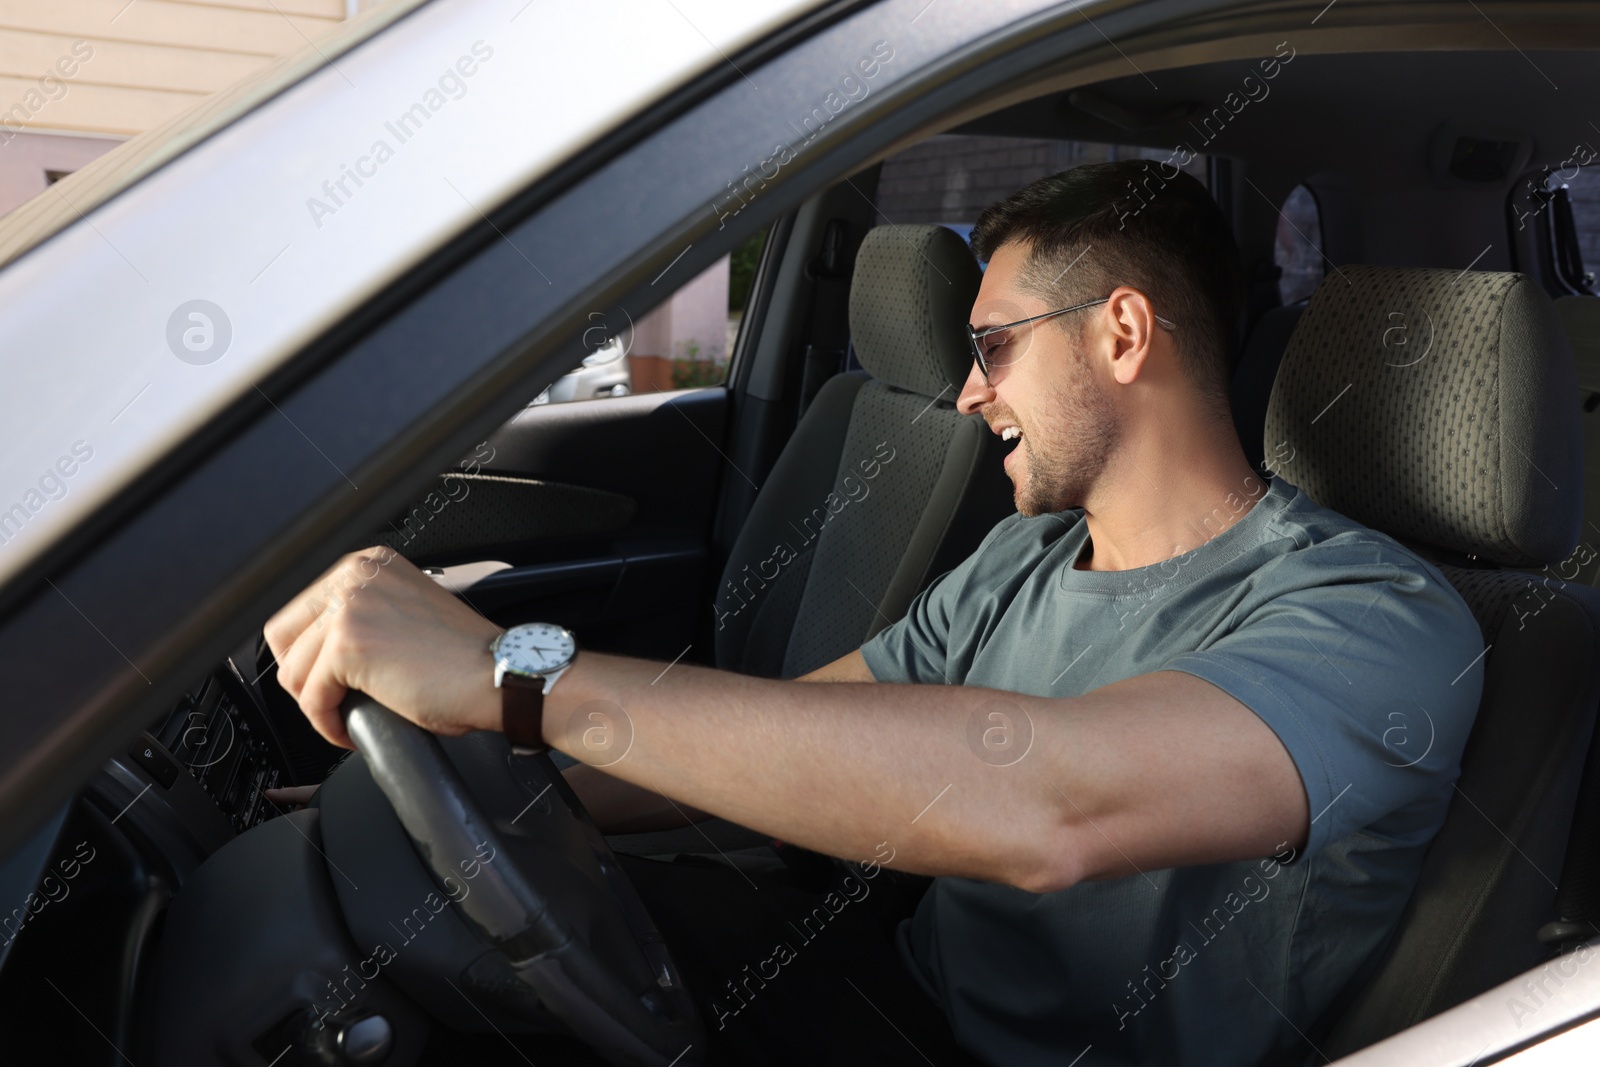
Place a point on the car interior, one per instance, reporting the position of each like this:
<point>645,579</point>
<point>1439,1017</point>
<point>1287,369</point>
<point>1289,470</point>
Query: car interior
<point>775,521</point>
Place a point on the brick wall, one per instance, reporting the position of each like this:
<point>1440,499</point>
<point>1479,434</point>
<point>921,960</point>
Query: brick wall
<point>953,177</point>
<point>1585,193</point>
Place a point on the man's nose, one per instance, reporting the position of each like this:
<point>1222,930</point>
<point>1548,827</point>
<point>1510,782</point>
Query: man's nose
<point>975,393</point>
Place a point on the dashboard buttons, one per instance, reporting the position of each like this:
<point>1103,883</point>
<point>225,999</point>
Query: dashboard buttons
<point>149,754</point>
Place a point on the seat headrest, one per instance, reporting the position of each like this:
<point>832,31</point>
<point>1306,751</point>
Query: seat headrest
<point>910,301</point>
<point>1581,317</point>
<point>1438,406</point>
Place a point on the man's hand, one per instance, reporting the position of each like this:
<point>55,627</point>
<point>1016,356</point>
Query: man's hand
<point>377,624</point>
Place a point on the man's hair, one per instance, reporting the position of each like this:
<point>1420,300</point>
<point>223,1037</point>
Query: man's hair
<point>1137,222</point>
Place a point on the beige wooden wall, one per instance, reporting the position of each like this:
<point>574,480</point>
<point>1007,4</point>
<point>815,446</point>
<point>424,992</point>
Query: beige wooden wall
<point>146,60</point>
<point>79,76</point>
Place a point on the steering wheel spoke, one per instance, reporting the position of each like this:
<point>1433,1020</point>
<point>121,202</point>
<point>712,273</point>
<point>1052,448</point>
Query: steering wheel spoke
<point>614,985</point>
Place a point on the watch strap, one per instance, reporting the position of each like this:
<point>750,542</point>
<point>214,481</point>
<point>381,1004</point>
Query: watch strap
<point>522,713</point>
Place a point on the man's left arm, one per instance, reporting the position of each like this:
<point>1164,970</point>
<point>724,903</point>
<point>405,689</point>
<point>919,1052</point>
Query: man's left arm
<point>1155,771</point>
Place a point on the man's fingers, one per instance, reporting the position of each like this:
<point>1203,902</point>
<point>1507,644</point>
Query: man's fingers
<point>320,697</point>
<point>296,661</point>
<point>296,633</point>
<point>324,596</point>
<point>328,673</point>
<point>291,620</point>
<point>291,794</point>
<point>375,623</point>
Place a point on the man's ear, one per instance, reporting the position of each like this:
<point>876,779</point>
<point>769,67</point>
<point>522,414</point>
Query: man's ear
<point>1130,318</point>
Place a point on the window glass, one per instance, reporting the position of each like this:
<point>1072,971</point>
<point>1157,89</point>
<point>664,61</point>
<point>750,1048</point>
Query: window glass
<point>1584,188</point>
<point>1583,192</point>
<point>949,179</point>
<point>140,66</point>
<point>1298,250</point>
<point>684,342</point>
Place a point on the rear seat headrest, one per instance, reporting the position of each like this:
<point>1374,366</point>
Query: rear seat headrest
<point>1437,406</point>
<point>910,301</point>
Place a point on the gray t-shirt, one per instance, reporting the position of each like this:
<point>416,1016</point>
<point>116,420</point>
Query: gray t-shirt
<point>1356,652</point>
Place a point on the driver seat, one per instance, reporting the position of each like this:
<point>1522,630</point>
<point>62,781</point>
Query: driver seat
<point>1437,406</point>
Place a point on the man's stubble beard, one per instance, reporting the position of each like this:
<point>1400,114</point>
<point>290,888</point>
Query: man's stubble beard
<point>1070,445</point>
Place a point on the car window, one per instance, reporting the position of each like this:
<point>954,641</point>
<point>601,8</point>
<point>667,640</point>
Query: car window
<point>1576,266</point>
<point>1584,189</point>
<point>1298,249</point>
<point>684,342</point>
<point>949,179</point>
<point>159,79</point>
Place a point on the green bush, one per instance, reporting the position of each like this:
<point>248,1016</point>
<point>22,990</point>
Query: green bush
<point>742,270</point>
<point>696,373</point>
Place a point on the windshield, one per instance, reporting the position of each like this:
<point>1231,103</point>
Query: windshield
<point>82,191</point>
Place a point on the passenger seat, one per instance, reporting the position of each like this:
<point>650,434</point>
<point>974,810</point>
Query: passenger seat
<point>1470,455</point>
<point>883,487</point>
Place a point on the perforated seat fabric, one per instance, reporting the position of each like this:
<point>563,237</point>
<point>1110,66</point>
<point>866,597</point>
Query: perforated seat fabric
<point>1437,406</point>
<point>883,485</point>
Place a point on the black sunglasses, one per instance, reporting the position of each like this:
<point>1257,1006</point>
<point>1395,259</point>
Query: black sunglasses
<point>980,351</point>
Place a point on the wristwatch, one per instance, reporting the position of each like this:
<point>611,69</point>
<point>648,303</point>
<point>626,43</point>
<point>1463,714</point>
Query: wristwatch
<point>527,661</point>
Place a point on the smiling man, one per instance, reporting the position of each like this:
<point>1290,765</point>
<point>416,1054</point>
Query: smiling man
<point>1144,738</point>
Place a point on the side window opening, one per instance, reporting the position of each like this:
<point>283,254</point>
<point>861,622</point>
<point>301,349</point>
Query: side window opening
<point>684,342</point>
<point>950,178</point>
<point>1568,207</point>
<point>1583,192</point>
<point>1298,248</point>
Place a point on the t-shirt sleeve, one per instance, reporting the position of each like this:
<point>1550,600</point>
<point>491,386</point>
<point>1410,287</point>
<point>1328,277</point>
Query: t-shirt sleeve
<point>1369,668</point>
<point>916,647</point>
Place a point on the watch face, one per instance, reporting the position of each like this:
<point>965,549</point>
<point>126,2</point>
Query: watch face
<point>535,648</point>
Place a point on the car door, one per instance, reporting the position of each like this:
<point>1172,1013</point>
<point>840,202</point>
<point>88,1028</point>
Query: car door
<point>596,512</point>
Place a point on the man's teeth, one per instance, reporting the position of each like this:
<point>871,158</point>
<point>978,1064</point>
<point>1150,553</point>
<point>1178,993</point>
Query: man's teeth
<point>1010,433</point>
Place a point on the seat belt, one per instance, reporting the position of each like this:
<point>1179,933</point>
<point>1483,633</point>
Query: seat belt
<point>1578,894</point>
<point>823,354</point>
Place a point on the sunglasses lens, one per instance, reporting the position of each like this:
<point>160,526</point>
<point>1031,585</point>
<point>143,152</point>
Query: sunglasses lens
<point>1000,348</point>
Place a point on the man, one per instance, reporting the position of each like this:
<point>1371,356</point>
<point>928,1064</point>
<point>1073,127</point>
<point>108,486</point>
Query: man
<point>1171,741</point>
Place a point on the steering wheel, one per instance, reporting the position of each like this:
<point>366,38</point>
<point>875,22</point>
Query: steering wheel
<point>566,934</point>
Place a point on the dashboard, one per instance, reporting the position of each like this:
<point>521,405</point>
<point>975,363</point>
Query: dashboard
<point>86,899</point>
<point>205,765</point>
<point>231,753</point>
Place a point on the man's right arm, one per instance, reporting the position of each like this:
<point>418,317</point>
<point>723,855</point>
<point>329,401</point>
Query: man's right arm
<point>618,807</point>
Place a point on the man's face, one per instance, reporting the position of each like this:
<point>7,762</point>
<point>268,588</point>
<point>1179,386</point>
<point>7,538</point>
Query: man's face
<point>1049,385</point>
